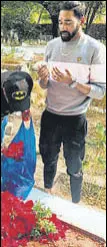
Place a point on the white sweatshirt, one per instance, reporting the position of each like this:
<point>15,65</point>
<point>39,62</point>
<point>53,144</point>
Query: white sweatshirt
<point>85,58</point>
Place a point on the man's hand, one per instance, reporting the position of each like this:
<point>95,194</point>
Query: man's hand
<point>43,73</point>
<point>67,78</point>
<point>58,76</point>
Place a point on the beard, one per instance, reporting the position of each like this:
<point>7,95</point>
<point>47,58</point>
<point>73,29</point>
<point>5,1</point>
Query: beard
<point>67,36</point>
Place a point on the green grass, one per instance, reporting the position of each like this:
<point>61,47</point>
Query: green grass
<point>94,164</point>
<point>94,195</point>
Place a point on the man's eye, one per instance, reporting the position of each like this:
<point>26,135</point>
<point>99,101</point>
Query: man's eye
<point>68,22</point>
<point>65,23</point>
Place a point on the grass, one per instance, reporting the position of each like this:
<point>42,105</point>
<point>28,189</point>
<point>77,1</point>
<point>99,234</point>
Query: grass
<point>94,164</point>
<point>9,62</point>
<point>100,103</point>
<point>94,195</point>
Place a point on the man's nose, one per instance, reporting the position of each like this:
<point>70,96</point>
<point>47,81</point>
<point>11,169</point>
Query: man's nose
<point>63,27</point>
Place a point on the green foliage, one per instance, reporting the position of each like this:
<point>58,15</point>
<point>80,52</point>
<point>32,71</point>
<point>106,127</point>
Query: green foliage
<point>92,195</point>
<point>100,19</point>
<point>35,233</point>
<point>23,12</point>
<point>102,161</point>
<point>41,211</point>
<point>40,15</point>
<point>19,14</point>
<point>96,143</point>
<point>100,103</point>
<point>43,225</point>
<point>94,9</point>
<point>99,139</point>
<point>94,165</point>
<point>100,130</point>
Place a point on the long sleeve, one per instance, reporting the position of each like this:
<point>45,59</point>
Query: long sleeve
<point>41,82</point>
<point>98,73</point>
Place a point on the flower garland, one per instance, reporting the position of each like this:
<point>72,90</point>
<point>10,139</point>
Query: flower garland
<point>22,222</point>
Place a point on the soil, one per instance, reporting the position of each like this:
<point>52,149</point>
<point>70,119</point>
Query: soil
<point>74,238</point>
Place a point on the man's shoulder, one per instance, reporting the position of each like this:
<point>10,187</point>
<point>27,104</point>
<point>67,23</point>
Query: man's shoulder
<point>54,41</point>
<point>94,43</point>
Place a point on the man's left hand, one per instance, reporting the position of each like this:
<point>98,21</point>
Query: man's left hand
<point>58,76</point>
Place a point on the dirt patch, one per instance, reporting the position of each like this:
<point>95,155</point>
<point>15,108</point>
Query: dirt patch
<point>74,238</point>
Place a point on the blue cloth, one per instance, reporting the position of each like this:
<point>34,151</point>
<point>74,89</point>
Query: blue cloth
<point>3,126</point>
<point>18,175</point>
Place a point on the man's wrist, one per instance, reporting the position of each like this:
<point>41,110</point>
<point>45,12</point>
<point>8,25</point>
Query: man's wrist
<point>43,84</point>
<point>73,84</point>
<point>83,88</point>
<point>46,82</point>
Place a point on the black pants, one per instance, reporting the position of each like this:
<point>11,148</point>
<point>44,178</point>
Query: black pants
<point>71,131</point>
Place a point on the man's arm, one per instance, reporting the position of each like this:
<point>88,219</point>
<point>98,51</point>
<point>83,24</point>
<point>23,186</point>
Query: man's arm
<point>96,87</point>
<point>43,84</point>
<point>43,72</point>
<point>91,90</point>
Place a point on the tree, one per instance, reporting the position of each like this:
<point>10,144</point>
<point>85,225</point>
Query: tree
<point>40,15</point>
<point>53,10</point>
<point>15,15</point>
<point>93,9</point>
<point>19,14</point>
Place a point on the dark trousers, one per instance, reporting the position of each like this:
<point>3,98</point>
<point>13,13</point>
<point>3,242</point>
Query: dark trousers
<point>71,131</point>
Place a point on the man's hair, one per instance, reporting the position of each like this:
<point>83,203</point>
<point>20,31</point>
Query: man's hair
<point>77,7</point>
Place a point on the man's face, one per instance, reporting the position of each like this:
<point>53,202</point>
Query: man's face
<point>69,25</point>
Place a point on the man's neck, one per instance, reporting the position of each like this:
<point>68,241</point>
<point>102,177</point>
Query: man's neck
<point>78,35</point>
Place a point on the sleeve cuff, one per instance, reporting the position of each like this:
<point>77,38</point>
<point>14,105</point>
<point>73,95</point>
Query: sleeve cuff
<point>96,92</point>
<point>41,83</point>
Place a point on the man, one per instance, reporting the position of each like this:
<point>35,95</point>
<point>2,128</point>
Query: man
<point>15,94</point>
<point>74,75</point>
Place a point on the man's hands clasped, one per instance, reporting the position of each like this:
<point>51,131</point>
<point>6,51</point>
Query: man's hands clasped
<point>57,75</point>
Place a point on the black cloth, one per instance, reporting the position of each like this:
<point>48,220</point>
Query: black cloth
<point>71,132</point>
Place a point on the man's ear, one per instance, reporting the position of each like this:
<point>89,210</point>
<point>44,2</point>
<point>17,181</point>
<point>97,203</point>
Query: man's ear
<point>83,20</point>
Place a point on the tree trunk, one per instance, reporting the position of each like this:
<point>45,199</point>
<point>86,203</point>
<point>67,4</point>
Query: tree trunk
<point>55,26</point>
<point>91,16</point>
<point>88,17</point>
<point>40,15</point>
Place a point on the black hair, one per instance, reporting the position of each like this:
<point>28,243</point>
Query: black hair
<point>77,7</point>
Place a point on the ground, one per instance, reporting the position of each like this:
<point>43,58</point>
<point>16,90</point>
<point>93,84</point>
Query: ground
<point>61,183</point>
<point>73,239</point>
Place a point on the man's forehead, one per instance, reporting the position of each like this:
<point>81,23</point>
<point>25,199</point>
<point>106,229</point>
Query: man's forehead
<point>66,15</point>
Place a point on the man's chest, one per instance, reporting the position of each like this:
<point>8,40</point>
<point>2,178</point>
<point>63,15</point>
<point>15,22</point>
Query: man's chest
<point>79,55</point>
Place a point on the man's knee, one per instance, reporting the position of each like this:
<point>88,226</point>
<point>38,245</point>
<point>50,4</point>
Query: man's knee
<point>75,174</point>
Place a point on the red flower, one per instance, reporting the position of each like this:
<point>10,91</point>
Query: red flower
<point>43,240</point>
<point>15,150</point>
<point>18,220</point>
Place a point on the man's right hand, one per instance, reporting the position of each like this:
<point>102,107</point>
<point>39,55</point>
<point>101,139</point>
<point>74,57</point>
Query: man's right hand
<point>43,73</point>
